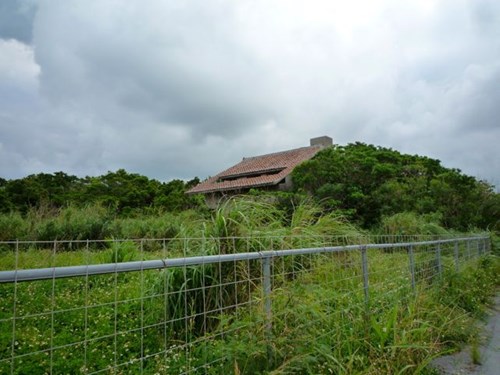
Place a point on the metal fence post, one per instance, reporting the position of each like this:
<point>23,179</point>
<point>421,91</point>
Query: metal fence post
<point>14,311</point>
<point>364,261</point>
<point>438,260</point>
<point>468,249</point>
<point>478,247</point>
<point>412,268</point>
<point>266,285</point>
<point>457,267</point>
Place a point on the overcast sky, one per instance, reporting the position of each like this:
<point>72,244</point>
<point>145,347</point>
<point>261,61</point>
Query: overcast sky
<point>178,89</point>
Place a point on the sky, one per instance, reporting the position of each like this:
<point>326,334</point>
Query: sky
<point>177,89</point>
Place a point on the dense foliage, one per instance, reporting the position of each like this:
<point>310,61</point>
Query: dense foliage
<point>121,191</point>
<point>367,183</point>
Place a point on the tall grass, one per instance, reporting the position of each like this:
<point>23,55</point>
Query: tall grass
<point>320,330</point>
<point>239,225</point>
<point>236,217</point>
<point>92,222</point>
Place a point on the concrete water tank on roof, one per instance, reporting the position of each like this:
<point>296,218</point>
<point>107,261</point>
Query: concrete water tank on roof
<point>323,141</point>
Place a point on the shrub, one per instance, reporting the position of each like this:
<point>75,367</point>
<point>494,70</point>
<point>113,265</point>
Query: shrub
<point>410,224</point>
<point>12,226</point>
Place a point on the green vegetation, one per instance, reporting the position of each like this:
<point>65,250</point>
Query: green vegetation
<point>475,353</point>
<point>366,183</point>
<point>121,192</point>
<point>235,218</point>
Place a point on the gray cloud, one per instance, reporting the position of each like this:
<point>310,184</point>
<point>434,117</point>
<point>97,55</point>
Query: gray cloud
<point>177,90</point>
<point>16,19</point>
<point>171,64</point>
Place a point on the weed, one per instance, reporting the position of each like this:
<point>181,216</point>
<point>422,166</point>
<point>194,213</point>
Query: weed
<point>122,251</point>
<point>475,353</point>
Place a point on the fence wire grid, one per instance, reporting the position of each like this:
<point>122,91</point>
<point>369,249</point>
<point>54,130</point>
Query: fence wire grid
<point>181,306</point>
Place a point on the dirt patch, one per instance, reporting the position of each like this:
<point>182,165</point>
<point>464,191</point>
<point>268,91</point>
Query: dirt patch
<point>489,351</point>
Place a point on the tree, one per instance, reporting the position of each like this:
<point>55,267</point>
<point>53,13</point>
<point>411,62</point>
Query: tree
<point>367,182</point>
<point>121,191</point>
<point>172,196</point>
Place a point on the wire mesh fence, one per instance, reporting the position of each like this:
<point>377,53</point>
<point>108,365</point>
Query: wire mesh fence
<point>186,306</point>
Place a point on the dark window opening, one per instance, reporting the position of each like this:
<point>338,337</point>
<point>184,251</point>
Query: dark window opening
<point>262,172</point>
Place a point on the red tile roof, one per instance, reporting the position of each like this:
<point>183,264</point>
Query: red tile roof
<point>257,171</point>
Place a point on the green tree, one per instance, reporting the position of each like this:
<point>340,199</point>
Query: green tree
<point>366,182</point>
<point>172,196</point>
<point>121,190</point>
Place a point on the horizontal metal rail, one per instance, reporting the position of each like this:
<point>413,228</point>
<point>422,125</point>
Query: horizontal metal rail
<point>111,268</point>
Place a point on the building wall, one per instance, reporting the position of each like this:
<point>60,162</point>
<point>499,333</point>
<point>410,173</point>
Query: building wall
<point>213,200</point>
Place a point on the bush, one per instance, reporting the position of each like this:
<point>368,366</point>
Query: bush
<point>90,222</point>
<point>119,252</point>
<point>12,226</point>
<point>410,224</point>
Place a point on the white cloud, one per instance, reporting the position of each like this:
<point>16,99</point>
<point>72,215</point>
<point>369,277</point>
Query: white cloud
<point>18,69</point>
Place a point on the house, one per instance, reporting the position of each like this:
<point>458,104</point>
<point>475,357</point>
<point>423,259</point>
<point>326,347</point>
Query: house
<point>265,172</point>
